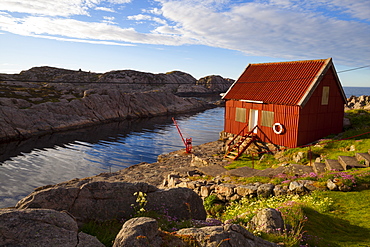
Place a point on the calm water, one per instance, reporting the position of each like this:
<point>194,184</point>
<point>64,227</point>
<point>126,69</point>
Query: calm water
<point>356,91</point>
<point>87,152</point>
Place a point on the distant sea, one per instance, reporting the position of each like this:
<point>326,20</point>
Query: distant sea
<point>356,91</point>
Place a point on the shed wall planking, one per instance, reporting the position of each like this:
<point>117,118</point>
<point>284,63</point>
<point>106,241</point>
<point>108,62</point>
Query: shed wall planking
<point>318,121</point>
<point>284,114</point>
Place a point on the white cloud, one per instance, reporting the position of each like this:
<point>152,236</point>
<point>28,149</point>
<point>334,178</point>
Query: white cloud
<point>167,30</point>
<point>142,17</point>
<point>139,17</point>
<point>98,42</point>
<point>155,11</point>
<point>109,20</point>
<point>47,7</point>
<point>73,29</point>
<point>262,29</point>
<point>56,7</point>
<point>105,9</point>
<point>359,8</point>
<point>119,1</point>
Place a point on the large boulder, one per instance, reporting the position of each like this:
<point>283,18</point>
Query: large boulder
<point>265,190</point>
<point>231,235</point>
<point>41,227</point>
<point>180,203</point>
<point>143,232</point>
<point>267,220</point>
<point>139,232</point>
<point>104,200</point>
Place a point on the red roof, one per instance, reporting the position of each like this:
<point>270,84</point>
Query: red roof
<point>286,83</point>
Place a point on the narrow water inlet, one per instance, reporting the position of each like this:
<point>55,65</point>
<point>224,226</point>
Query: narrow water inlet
<point>106,148</point>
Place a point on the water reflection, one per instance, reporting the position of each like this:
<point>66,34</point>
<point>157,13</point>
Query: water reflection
<point>90,151</point>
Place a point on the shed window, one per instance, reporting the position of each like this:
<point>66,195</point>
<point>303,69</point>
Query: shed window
<point>325,96</point>
<point>267,118</point>
<point>241,115</point>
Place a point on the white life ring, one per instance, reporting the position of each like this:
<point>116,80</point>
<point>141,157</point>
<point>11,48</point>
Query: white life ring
<point>278,128</point>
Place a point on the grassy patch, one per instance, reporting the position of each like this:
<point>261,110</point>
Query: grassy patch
<point>106,232</point>
<point>320,219</point>
<point>347,225</point>
<point>290,206</point>
<point>359,118</point>
<point>247,180</point>
<point>253,161</point>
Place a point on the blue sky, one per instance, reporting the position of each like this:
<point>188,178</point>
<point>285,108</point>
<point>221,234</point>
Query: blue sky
<point>200,37</point>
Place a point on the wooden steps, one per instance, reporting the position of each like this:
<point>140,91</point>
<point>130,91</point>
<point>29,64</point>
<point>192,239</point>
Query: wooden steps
<point>363,158</point>
<point>318,167</point>
<point>349,162</point>
<point>333,165</point>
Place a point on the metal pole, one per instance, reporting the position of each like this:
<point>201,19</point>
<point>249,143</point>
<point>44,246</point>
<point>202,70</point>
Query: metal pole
<point>187,142</point>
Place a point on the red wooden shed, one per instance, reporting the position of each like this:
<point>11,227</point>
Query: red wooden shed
<point>292,103</point>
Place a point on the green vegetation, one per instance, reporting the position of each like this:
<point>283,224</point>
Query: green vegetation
<point>165,221</point>
<point>106,231</point>
<point>253,161</point>
<point>359,118</point>
<point>292,210</point>
<point>348,224</point>
<point>323,218</point>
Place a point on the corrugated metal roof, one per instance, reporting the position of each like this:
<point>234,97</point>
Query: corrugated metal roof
<point>278,83</point>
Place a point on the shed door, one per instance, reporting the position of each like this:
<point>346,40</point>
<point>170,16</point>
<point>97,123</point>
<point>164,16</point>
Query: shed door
<point>253,120</point>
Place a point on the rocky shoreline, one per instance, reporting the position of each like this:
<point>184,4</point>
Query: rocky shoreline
<point>66,206</point>
<point>20,120</point>
<point>44,100</point>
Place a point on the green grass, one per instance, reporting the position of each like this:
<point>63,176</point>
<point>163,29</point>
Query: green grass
<point>347,225</point>
<point>105,232</point>
<point>253,161</point>
<point>248,180</point>
<point>339,219</point>
<point>359,118</point>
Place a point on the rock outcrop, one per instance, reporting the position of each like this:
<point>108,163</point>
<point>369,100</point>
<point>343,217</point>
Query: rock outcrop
<point>228,235</point>
<point>267,220</point>
<point>142,232</point>
<point>127,80</point>
<point>45,99</point>
<point>20,119</point>
<point>103,200</point>
<point>215,83</point>
<point>41,227</point>
<point>361,102</point>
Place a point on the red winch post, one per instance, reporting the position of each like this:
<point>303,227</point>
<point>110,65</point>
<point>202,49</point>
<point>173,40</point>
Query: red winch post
<point>187,142</point>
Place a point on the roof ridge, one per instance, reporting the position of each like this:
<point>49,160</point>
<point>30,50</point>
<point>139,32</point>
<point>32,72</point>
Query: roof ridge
<point>286,62</point>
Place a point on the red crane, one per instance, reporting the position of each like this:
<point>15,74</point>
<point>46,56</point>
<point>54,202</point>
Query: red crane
<point>187,141</point>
